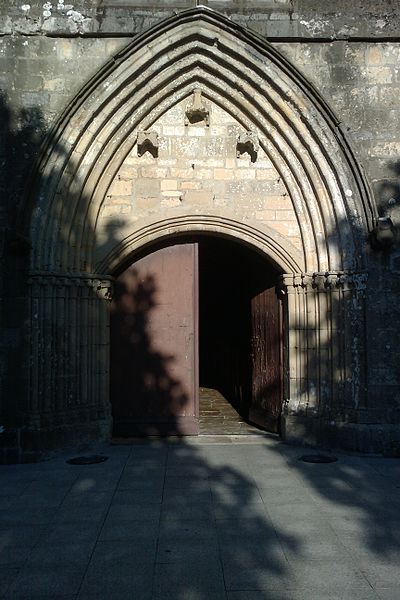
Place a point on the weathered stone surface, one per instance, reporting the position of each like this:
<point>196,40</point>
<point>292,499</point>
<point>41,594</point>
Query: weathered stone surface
<point>350,54</point>
<point>270,18</point>
<point>248,185</point>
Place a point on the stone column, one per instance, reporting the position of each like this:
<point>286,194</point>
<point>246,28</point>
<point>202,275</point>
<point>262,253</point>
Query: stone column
<point>69,370</point>
<point>324,350</point>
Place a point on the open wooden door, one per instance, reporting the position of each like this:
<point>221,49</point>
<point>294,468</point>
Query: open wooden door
<point>154,345</point>
<point>266,405</point>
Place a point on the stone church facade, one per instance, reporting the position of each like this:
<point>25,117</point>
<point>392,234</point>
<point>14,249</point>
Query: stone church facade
<point>129,125</point>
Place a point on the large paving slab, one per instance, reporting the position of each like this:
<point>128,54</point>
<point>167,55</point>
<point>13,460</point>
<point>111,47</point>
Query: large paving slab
<point>208,518</point>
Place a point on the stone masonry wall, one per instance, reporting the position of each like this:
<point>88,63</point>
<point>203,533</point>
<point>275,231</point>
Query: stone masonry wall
<point>361,83</point>
<point>197,170</point>
<point>48,50</point>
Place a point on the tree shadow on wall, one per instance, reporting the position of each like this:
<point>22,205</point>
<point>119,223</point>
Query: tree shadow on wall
<point>146,397</point>
<point>229,504</point>
<point>214,512</point>
<point>388,191</point>
<point>215,535</point>
<point>352,505</point>
<point>21,134</point>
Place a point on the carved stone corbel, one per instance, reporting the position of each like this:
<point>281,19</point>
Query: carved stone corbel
<point>331,280</point>
<point>286,282</point>
<point>247,142</point>
<point>147,141</point>
<point>103,289</point>
<point>307,281</point>
<point>298,280</point>
<point>319,281</point>
<point>197,111</point>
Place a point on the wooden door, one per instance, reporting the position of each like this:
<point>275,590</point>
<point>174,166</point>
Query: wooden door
<point>267,368</point>
<point>154,330</point>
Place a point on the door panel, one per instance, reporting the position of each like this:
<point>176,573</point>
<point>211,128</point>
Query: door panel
<point>154,331</point>
<point>266,404</point>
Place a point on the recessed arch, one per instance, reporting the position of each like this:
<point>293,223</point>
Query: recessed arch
<point>274,247</point>
<point>190,303</point>
<point>71,271</point>
<point>251,80</point>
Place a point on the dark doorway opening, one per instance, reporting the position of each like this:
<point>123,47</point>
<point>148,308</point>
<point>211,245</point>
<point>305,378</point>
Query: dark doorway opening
<point>231,277</point>
<point>196,312</point>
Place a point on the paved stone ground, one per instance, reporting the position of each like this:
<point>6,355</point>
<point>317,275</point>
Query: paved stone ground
<point>201,519</point>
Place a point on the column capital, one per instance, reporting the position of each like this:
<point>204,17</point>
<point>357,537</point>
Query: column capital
<point>100,284</point>
<point>324,281</point>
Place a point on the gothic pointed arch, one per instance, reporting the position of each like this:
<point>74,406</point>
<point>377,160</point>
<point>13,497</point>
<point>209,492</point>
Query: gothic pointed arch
<point>197,56</point>
<point>249,79</point>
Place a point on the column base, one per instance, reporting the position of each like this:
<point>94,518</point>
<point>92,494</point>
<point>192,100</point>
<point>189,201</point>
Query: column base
<point>23,445</point>
<point>355,437</point>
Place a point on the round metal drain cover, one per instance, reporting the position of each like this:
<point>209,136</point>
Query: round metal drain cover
<point>87,460</point>
<point>318,458</point>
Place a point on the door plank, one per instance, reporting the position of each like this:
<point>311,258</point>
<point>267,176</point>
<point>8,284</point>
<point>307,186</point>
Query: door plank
<point>266,404</point>
<point>154,331</point>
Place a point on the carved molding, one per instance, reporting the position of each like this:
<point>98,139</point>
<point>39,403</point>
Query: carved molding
<point>333,280</point>
<point>101,285</point>
<point>197,112</point>
<point>69,344</point>
<point>103,112</point>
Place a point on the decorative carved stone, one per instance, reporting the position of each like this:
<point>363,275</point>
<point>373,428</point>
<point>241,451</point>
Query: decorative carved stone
<point>248,142</point>
<point>103,289</point>
<point>197,112</point>
<point>325,281</point>
<point>383,236</point>
<point>69,370</point>
<point>147,141</point>
<point>102,286</point>
<point>319,281</point>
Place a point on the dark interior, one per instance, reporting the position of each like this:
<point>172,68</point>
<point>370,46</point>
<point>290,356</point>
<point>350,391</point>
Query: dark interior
<point>146,392</point>
<point>230,275</point>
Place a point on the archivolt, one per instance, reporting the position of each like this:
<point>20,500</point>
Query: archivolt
<point>267,243</point>
<point>235,69</point>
